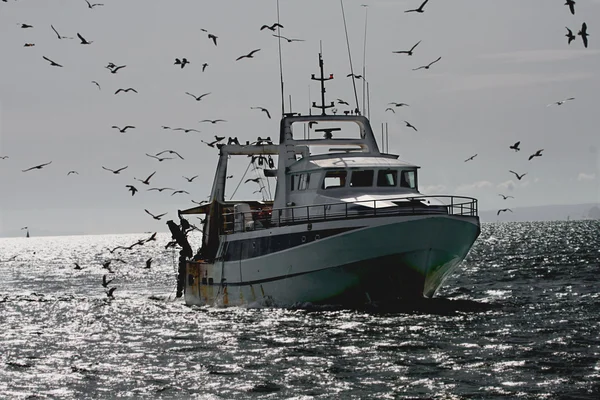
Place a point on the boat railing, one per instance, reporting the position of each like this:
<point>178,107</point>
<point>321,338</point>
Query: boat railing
<point>241,221</point>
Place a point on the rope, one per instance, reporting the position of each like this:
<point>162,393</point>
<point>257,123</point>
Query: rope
<point>349,55</point>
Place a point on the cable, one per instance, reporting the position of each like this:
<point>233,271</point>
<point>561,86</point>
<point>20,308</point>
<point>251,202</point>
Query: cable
<point>349,55</point>
<point>240,182</point>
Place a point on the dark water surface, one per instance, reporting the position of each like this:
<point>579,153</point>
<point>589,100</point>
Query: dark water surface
<point>519,319</point>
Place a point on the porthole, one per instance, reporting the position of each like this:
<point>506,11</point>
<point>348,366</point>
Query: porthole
<point>303,239</point>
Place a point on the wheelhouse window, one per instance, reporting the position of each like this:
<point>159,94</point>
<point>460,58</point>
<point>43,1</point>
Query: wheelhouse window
<point>408,179</point>
<point>362,178</point>
<point>387,178</point>
<point>334,179</point>
<point>303,181</point>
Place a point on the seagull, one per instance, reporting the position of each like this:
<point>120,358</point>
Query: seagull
<point>147,180</point>
<point>200,202</point>
<point>340,101</point>
<point>428,65</point>
<point>126,90</point>
<point>519,177</point>
<point>179,191</point>
<point>262,109</point>
<point>3,157</point>
<point>505,197</point>
<point>515,146</point>
<point>106,282</point>
<point>571,5</point>
<point>124,129</point>
<point>399,104</point>
<point>114,69</point>
<point>213,37</point>
<point>29,45</point>
<point>181,62</point>
<point>151,238</point>
<point>408,52</point>
<point>132,189</point>
<point>213,121</point>
<point>470,158</point>
<point>198,98</point>
<point>57,34</point>
<point>52,63</point>
<point>355,76</point>
<point>25,26</point>
<point>390,109</point>
<point>272,27</point>
<point>583,34</point>
<point>83,41</point>
<point>219,138</point>
<point>170,152</point>
<point>25,227</point>
<point>110,292</point>
<point>420,9</point>
<point>503,210</point>
<point>97,84</point>
<point>116,172</point>
<point>37,167</point>
<point>229,177</point>
<point>91,6</point>
<point>255,180</point>
<point>148,263</point>
<point>77,266</point>
<point>156,217</point>
<point>570,35</point>
<point>190,179</point>
<point>560,103</point>
<point>249,55</point>
<point>536,154</point>
<point>106,265</point>
<point>160,189</point>
<point>161,159</point>
<point>408,125</point>
<point>186,130</point>
<point>72,172</point>
<point>210,144</point>
<point>288,39</point>
<point>204,66</point>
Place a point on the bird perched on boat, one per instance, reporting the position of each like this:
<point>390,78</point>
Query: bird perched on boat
<point>117,171</point>
<point>179,191</point>
<point>114,69</point>
<point>503,210</point>
<point>29,45</point>
<point>407,52</point>
<point>147,180</point>
<point>399,104</point>
<point>536,154</point>
<point>289,40</point>
<point>471,158</point>
<point>161,159</point>
<point>124,128</point>
<point>58,34</point>
<point>428,65</point>
<point>213,121</point>
<point>570,35</point>
<point>83,40</point>
<point>418,10</point>
<point>233,140</point>
<point>198,98</point>
<point>515,146</point>
<point>182,62</point>
<point>126,90</point>
<point>148,263</point>
<point>160,189</point>
<point>571,4</point>
<point>106,282</point>
<point>37,167</point>
<point>52,63</point>
<point>561,102</point>
<point>272,27</point>
<point>390,109</point>
<point>263,110</point>
<point>91,6</point>
<point>132,189</point>
<point>519,177</point>
<point>190,179</point>
<point>355,76</point>
<point>249,55</point>
<point>584,35</point>
<point>409,125</point>
<point>110,292</point>
<point>156,217</point>
<point>505,197</point>
<point>170,152</point>
<point>255,180</point>
<point>72,172</point>
<point>204,66</point>
<point>219,138</point>
<point>97,84</point>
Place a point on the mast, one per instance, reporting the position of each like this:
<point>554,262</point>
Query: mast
<point>323,107</point>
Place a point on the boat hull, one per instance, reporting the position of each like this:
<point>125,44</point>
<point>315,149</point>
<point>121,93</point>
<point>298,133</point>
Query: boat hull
<point>354,262</point>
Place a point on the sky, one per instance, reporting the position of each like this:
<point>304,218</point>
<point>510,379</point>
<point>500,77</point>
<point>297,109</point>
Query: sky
<point>502,63</point>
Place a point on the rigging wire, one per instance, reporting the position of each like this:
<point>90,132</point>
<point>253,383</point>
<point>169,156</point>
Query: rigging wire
<point>280,62</point>
<point>240,182</point>
<point>364,69</point>
<point>349,55</point>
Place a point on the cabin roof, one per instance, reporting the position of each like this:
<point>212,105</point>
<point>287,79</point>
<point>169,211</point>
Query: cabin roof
<point>349,161</point>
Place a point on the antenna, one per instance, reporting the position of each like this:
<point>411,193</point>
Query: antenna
<point>364,69</point>
<point>280,63</point>
<point>350,57</point>
<point>323,107</point>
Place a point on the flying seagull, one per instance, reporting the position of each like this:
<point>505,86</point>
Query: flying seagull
<point>159,189</point>
<point>470,158</point>
<point>114,69</point>
<point>408,52</point>
<point>179,191</point>
<point>519,177</point>
<point>97,84</point>
<point>25,26</point>
<point>503,210</point>
<point>583,33</point>
<point>428,65</point>
<point>340,101</point>
<point>570,35</point>
<point>198,98</point>
<point>29,45</point>
<point>213,37</point>
<point>536,154</point>
<point>288,39</point>
<point>91,6</point>
<point>110,292</point>
<point>418,10</point>
<point>560,103</point>
<point>255,180</point>
<point>126,90</point>
<point>398,104</point>
<point>571,5</point>
<point>3,157</point>
<point>37,167</point>
<point>72,172</point>
<point>124,129</point>
<point>156,217</point>
<point>52,63</point>
<point>190,179</point>
<point>116,171</point>
<point>57,34</point>
<point>147,180</point>
<point>161,159</point>
<point>505,197</point>
<point>106,282</point>
<point>272,27</point>
<point>515,146</point>
<point>262,109</point>
<point>186,130</point>
<point>204,66</point>
<point>408,125</point>
<point>83,40</point>
<point>390,109</point>
<point>249,55</point>
<point>132,189</point>
<point>355,76</point>
<point>148,263</point>
<point>77,266</point>
<point>182,62</point>
<point>213,121</point>
<point>210,144</point>
<point>170,152</point>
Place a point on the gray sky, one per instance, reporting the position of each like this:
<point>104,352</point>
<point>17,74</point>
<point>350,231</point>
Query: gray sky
<point>502,63</point>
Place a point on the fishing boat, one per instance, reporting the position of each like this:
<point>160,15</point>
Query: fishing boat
<point>347,224</point>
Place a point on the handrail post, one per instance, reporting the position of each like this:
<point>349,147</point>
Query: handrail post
<point>346,204</point>
<point>374,207</point>
<point>307,213</point>
<point>324,212</point>
<point>292,214</point>
<point>451,205</point>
